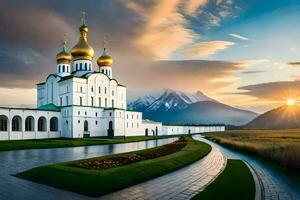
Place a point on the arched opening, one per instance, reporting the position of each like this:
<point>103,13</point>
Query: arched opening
<point>153,133</point>
<point>3,123</point>
<point>85,66</point>
<point>63,68</point>
<point>110,130</point>
<point>29,124</point>
<point>146,132</point>
<point>86,126</point>
<point>42,125</point>
<point>54,124</point>
<point>156,131</point>
<point>17,123</point>
<point>189,131</point>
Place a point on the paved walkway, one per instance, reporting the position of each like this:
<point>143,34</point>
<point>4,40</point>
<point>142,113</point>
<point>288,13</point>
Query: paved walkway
<point>270,184</point>
<point>181,184</point>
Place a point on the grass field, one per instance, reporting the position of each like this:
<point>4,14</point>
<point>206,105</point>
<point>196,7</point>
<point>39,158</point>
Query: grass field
<point>98,182</point>
<point>54,143</point>
<point>279,146</point>
<point>235,182</point>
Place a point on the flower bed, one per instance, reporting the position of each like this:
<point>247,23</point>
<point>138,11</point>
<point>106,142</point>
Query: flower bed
<point>133,157</point>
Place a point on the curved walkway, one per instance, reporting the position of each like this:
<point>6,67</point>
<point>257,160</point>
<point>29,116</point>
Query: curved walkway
<point>270,184</point>
<point>180,184</point>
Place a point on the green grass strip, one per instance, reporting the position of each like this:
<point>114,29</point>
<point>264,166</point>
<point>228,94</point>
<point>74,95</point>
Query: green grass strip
<point>235,182</point>
<point>99,182</point>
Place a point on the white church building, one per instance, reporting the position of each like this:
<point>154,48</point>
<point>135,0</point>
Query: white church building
<point>78,101</point>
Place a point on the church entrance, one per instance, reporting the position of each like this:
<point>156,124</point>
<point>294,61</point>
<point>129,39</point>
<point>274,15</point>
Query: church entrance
<point>110,130</point>
<point>86,133</point>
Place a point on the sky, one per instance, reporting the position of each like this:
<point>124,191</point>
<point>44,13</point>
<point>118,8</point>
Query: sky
<point>240,52</point>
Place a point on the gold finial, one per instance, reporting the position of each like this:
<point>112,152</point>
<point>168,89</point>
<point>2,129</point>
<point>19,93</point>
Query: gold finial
<point>104,43</point>
<point>83,18</point>
<point>65,39</point>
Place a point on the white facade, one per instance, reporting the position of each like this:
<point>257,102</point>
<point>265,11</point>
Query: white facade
<point>77,102</point>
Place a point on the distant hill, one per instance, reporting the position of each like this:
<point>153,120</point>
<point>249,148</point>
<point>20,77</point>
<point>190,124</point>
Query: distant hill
<point>176,107</point>
<point>284,117</point>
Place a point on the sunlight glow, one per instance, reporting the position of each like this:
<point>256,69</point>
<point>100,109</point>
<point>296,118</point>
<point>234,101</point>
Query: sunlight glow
<point>290,102</point>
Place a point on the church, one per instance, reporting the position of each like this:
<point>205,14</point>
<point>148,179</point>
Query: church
<point>82,100</point>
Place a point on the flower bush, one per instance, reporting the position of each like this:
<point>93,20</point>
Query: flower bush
<point>134,157</point>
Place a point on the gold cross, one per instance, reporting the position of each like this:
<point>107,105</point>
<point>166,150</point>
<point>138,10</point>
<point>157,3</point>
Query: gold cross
<point>83,17</point>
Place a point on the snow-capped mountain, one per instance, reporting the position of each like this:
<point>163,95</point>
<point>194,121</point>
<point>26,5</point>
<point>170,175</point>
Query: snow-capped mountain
<point>177,107</point>
<point>176,100</point>
<point>142,103</point>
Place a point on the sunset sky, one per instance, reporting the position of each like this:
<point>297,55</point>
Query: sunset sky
<point>242,53</point>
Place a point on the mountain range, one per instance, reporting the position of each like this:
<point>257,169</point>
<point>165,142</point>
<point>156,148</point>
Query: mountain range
<point>177,107</point>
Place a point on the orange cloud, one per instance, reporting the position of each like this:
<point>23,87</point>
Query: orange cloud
<point>206,48</point>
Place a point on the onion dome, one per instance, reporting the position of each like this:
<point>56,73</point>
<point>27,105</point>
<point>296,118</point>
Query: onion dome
<point>82,50</point>
<point>64,56</point>
<point>104,60</point>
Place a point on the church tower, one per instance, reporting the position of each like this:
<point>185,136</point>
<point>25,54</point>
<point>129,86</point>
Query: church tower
<point>82,52</point>
<point>104,62</point>
<point>63,59</point>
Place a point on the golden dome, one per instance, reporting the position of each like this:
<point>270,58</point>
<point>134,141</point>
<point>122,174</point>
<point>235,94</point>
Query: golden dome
<point>64,56</point>
<point>104,59</point>
<point>82,50</point>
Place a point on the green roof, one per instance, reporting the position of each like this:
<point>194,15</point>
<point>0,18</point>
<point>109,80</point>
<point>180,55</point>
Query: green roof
<point>50,107</point>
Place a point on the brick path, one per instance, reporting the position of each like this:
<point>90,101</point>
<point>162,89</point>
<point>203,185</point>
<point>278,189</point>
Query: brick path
<point>181,184</point>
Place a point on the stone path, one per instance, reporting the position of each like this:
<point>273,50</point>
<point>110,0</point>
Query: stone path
<point>270,184</point>
<point>181,184</point>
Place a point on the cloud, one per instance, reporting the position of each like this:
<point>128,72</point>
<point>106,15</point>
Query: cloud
<point>273,90</point>
<point>239,37</point>
<point>206,48</point>
<point>192,6</point>
<point>253,72</point>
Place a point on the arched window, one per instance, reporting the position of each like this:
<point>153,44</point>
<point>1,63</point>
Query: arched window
<point>80,66</point>
<point>86,126</point>
<point>76,66</point>
<point>63,68</point>
<point>42,126</point>
<point>17,123</point>
<point>112,103</point>
<point>90,66</point>
<point>54,124</point>
<point>29,124</point>
<point>3,123</point>
<point>85,66</point>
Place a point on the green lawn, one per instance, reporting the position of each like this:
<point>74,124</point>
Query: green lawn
<point>54,143</point>
<point>235,183</point>
<point>99,182</point>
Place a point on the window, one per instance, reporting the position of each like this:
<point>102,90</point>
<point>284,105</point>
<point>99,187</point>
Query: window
<point>78,121</point>
<point>96,114</point>
<point>81,89</point>
<point>92,101</point>
<point>105,102</point>
<point>85,66</point>
<point>137,116</point>
<point>113,93</point>
<point>78,112</point>
<point>92,89</point>
<point>76,66</point>
<point>137,125</point>
<point>85,113</point>
<point>80,101</point>
<point>80,66</point>
<point>53,124</point>
<point>112,103</point>
<point>127,124</point>
<point>132,125</point>
<point>127,116</point>
<point>90,66</point>
<point>61,101</point>
<point>99,90</point>
<point>42,124</point>
<point>86,126</point>
<point>99,101</point>
<point>96,122</point>
<point>132,116</point>
<point>110,114</point>
<point>16,123</point>
<point>63,68</point>
<point>67,100</point>
<point>105,90</point>
<point>29,124</point>
<point>3,123</point>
